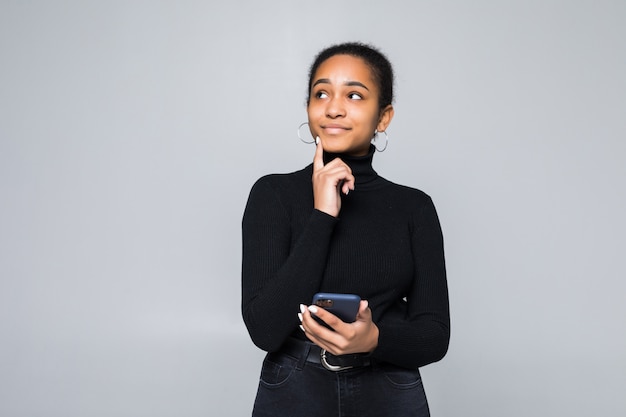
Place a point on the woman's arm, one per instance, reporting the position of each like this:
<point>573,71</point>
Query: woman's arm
<point>416,332</point>
<point>276,277</point>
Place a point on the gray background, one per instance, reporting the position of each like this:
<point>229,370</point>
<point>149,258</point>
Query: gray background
<point>131,132</point>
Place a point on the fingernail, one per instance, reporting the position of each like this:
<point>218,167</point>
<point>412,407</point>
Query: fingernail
<point>300,316</point>
<point>313,309</point>
<point>347,191</point>
<point>317,140</point>
<point>302,328</point>
<point>302,308</point>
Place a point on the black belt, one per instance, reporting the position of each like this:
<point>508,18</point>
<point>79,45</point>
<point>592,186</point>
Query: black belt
<point>314,354</point>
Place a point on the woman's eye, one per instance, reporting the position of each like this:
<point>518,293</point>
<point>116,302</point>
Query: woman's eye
<point>321,94</point>
<point>355,96</point>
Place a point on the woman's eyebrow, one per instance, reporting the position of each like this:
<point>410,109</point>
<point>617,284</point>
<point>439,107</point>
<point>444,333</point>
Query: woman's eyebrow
<point>347,83</point>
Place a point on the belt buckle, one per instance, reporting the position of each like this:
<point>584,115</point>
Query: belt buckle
<point>334,368</point>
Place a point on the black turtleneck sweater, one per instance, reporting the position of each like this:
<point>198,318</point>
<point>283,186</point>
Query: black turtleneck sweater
<point>386,246</point>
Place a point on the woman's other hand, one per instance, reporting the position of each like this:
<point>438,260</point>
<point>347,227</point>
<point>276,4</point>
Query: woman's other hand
<point>361,336</point>
<point>329,181</point>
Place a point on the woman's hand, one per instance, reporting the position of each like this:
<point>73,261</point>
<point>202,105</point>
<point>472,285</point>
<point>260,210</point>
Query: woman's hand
<point>358,337</point>
<point>328,181</point>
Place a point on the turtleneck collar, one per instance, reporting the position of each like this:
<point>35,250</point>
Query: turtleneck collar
<point>361,166</point>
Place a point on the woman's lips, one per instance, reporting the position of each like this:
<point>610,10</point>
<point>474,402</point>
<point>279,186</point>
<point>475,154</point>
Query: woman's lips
<point>334,129</point>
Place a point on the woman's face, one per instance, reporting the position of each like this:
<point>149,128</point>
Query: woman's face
<point>343,106</point>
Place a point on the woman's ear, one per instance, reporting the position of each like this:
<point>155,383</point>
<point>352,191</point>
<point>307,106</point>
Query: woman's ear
<point>385,118</point>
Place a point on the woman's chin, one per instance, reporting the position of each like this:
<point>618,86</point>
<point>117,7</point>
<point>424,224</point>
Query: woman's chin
<point>346,150</point>
<point>336,146</point>
<point>335,149</point>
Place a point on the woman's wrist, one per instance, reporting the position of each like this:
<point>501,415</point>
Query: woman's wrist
<point>373,344</point>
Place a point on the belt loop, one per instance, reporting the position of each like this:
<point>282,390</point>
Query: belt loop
<point>304,354</point>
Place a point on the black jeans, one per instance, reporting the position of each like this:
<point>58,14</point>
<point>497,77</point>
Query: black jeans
<point>291,387</point>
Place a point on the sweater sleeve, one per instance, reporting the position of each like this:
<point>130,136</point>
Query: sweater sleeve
<point>416,331</point>
<point>279,274</point>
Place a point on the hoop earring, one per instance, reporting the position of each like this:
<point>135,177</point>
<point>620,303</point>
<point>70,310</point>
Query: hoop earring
<point>300,137</point>
<point>376,132</point>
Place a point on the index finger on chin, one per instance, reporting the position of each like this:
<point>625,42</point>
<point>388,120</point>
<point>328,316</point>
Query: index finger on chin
<point>318,160</point>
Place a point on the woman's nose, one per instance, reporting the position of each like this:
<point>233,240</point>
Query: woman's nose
<point>335,108</point>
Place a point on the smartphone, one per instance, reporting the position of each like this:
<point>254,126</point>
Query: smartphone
<point>344,306</point>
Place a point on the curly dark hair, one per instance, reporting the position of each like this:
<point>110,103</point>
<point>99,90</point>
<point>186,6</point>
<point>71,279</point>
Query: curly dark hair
<point>377,62</point>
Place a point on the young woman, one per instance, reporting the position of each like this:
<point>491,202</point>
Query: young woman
<point>337,226</point>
